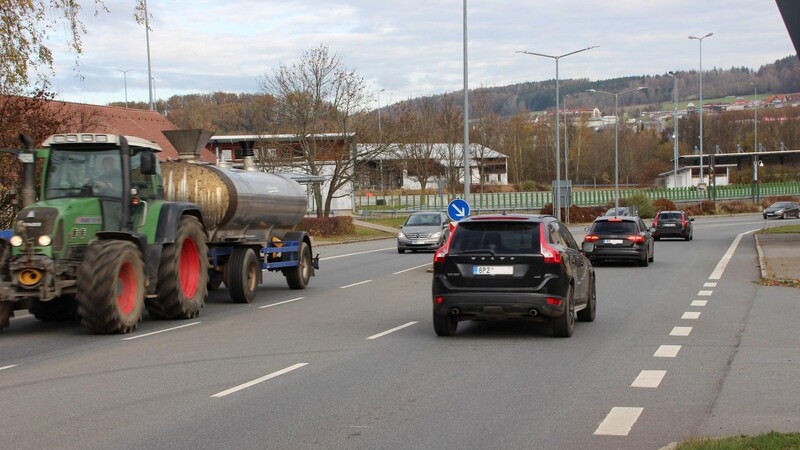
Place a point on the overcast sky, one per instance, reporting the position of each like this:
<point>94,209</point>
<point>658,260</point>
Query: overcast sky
<point>410,48</point>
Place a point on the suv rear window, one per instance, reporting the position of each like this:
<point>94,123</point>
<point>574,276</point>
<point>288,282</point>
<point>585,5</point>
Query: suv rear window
<point>609,227</point>
<point>670,216</point>
<point>505,237</point>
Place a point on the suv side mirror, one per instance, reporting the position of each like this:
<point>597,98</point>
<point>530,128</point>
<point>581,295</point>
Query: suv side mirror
<point>586,229</point>
<point>587,247</point>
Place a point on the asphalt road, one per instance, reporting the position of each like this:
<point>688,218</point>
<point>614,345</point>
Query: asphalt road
<point>353,362</point>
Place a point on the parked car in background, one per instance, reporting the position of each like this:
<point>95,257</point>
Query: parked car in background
<point>782,210</point>
<point>515,266</point>
<point>427,230</point>
<point>673,224</point>
<point>622,211</point>
<point>621,238</point>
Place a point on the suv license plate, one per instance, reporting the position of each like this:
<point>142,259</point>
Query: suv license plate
<point>613,241</point>
<point>670,225</point>
<point>492,270</point>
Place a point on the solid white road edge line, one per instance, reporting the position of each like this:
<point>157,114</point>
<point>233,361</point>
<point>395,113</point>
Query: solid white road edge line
<point>8,367</point>
<point>356,253</point>
<point>649,378</point>
<point>281,303</point>
<point>355,284</point>
<point>160,331</point>
<point>258,380</point>
<point>412,268</point>
<point>376,336</point>
<point>723,263</point>
<point>619,421</point>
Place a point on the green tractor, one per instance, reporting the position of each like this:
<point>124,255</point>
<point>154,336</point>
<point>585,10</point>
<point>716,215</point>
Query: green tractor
<point>101,243</point>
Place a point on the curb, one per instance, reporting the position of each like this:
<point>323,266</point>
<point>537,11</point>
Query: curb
<point>762,262</point>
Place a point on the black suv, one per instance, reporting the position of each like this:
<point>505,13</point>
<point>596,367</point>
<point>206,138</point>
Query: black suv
<point>512,267</point>
<point>676,224</point>
<point>621,238</point>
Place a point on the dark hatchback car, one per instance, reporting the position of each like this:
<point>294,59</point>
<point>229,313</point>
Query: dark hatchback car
<point>524,267</point>
<point>673,224</point>
<point>621,238</point>
<point>782,210</point>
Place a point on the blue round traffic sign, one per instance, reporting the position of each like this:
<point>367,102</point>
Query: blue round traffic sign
<point>458,209</point>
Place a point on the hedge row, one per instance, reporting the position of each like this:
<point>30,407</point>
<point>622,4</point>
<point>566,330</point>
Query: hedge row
<point>327,226</point>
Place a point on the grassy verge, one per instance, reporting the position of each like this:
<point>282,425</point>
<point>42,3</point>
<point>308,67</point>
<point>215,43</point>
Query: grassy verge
<point>781,230</point>
<point>767,441</point>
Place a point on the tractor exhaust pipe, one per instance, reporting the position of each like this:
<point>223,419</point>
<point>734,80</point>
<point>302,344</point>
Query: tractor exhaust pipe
<point>28,172</point>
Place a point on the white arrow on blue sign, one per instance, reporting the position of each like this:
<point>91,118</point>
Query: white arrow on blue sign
<point>458,209</point>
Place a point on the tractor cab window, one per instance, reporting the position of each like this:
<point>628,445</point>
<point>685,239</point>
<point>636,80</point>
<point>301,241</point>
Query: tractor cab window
<point>72,173</point>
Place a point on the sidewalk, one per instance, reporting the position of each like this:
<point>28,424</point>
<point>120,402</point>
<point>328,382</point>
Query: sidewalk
<point>779,255</point>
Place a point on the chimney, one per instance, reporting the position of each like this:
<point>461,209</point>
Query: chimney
<point>247,155</point>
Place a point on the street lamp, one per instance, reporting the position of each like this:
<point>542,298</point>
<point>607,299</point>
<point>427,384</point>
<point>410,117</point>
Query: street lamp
<point>153,81</point>
<point>379,113</point>
<point>755,117</point>
<point>674,76</point>
<point>701,99</point>
<point>557,201</point>
<point>125,80</point>
<point>616,139</point>
<point>150,87</point>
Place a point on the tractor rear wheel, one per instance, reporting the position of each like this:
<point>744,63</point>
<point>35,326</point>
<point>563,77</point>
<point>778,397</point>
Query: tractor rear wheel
<point>243,274</point>
<point>111,287</point>
<point>182,274</point>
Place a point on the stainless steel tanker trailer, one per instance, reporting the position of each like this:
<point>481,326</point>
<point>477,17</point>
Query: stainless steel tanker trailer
<point>155,236</point>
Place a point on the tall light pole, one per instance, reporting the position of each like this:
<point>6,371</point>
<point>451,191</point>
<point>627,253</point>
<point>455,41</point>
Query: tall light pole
<point>674,76</point>
<point>701,99</point>
<point>616,139</point>
<point>467,168</point>
<point>153,81</point>
<point>125,80</point>
<point>755,117</point>
<point>379,112</point>
<point>557,199</point>
<point>149,71</point>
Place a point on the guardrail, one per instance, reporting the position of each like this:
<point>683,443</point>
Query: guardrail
<point>530,201</point>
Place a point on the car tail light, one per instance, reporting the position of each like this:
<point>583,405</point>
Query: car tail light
<point>683,221</point>
<point>655,221</point>
<point>438,299</point>
<point>441,252</point>
<point>636,239</point>
<point>552,301</point>
<point>551,255</point>
<point>591,238</point>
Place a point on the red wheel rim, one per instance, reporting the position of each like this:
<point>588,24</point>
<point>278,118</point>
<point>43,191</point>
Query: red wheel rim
<point>126,300</point>
<point>189,268</point>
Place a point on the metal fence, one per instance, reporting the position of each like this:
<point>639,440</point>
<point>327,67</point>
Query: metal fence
<point>528,201</point>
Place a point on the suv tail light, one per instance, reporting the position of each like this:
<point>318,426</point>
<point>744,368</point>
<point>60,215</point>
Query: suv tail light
<point>591,238</point>
<point>441,252</point>
<point>655,221</point>
<point>636,239</point>
<point>551,255</point>
<point>683,220</point>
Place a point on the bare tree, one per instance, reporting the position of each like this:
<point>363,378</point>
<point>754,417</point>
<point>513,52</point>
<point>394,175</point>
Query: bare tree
<point>314,96</point>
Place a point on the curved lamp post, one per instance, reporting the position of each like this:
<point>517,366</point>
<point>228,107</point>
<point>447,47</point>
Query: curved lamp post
<point>557,199</point>
<point>701,99</point>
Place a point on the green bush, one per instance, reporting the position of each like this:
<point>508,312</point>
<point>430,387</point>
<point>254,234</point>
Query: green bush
<point>664,204</point>
<point>327,226</point>
<point>642,203</point>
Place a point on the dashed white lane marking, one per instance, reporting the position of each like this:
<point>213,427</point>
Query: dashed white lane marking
<point>355,284</point>
<point>258,380</point>
<point>8,367</point>
<point>160,331</point>
<point>709,284</point>
<point>699,302</point>
<point>667,351</point>
<point>619,421</point>
<point>649,378</point>
<point>357,253</point>
<point>376,336</point>
<point>411,268</point>
<point>690,315</point>
<point>723,263</point>
<point>680,331</point>
<point>705,293</point>
<point>281,303</point>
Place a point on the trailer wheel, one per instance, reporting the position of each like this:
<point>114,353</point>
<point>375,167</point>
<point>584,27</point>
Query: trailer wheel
<point>59,309</point>
<point>182,274</point>
<point>242,276</point>
<point>297,277</point>
<point>111,287</point>
<point>6,313</point>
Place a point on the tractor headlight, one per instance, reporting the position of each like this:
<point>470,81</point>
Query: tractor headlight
<point>45,240</point>
<point>15,241</point>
